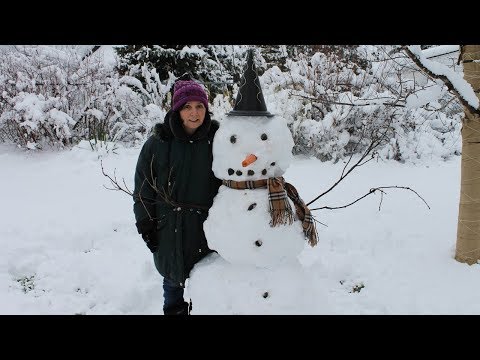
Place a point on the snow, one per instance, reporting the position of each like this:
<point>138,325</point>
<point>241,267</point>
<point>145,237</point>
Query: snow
<point>69,246</point>
<point>463,87</point>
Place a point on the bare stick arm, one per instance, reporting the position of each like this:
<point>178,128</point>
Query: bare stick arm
<point>372,191</point>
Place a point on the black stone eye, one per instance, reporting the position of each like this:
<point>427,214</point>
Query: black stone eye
<point>265,294</point>
<point>230,171</point>
<point>258,243</point>
<point>272,164</point>
<point>233,139</point>
<point>264,137</point>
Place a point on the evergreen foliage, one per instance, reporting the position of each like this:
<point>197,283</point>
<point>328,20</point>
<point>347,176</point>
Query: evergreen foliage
<point>212,65</point>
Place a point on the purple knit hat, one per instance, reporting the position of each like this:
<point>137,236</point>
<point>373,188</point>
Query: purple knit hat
<point>188,90</point>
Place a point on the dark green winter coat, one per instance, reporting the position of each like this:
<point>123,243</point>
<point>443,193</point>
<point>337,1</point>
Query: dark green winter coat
<point>175,184</point>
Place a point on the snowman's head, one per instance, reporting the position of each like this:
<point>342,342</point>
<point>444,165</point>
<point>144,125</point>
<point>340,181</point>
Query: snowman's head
<point>252,148</point>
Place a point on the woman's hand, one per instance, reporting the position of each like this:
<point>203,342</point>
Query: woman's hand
<point>148,227</point>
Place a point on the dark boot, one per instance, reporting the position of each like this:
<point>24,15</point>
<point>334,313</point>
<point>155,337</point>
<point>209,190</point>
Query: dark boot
<point>181,309</point>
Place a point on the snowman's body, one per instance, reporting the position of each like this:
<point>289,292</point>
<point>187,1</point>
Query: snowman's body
<point>247,237</point>
<point>253,258</point>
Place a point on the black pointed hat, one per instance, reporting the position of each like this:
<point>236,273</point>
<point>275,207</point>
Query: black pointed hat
<point>250,101</point>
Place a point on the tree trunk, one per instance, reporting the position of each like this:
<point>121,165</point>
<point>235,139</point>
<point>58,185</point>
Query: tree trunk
<point>468,227</point>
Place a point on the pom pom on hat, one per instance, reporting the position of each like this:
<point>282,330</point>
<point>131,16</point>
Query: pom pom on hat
<point>188,90</point>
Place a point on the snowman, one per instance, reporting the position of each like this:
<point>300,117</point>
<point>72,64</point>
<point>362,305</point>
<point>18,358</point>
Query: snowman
<point>258,225</point>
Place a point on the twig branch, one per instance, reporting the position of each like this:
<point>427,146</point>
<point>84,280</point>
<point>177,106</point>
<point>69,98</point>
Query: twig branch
<point>375,142</point>
<point>115,183</point>
<point>126,190</point>
<point>442,54</point>
<point>313,217</point>
<point>372,191</point>
<point>164,196</point>
<point>353,104</point>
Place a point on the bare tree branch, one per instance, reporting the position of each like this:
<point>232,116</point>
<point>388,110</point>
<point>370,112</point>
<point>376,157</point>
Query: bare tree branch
<point>333,102</point>
<point>445,80</point>
<point>162,195</point>
<point>443,54</point>
<point>377,139</point>
<point>372,191</point>
<point>126,190</point>
<point>115,183</point>
<point>319,221</point>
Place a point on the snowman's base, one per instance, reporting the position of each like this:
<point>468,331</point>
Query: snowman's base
<point>218,287</point>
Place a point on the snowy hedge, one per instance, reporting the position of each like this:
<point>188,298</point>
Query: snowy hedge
<point>335,98</point>
<point>55,97</point>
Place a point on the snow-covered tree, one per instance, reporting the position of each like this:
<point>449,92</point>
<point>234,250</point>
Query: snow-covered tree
<point>216,66</point>
<point>465,89</point>
<point>468,228</point>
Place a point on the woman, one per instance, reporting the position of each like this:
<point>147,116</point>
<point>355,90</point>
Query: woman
<point>174,189</point>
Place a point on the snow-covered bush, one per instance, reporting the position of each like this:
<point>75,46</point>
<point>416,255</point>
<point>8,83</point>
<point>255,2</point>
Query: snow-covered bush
<point>34,121</point>
<point>336,103</point>
<point>54,96</point>
<point>335,98</point>
<point>44,92</point>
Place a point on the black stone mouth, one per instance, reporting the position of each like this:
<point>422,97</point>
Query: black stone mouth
<point>239,172</point>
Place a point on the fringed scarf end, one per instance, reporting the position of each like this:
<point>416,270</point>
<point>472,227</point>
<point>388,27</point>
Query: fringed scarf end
<point>312,236</point>
<point>310,230</point>
<point>281,217</point>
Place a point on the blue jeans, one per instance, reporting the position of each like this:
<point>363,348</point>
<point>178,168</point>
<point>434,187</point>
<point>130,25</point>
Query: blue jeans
<point>172,293</point>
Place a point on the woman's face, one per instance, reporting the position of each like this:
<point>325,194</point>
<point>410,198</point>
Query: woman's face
<point>192,115</point>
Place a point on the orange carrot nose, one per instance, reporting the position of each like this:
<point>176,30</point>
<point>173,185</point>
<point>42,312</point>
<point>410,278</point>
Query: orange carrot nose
<point>248,160</point>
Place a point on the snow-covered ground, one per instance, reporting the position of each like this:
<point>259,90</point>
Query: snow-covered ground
<point>70,246</point>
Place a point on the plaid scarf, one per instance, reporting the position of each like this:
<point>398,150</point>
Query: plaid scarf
<point>280,209</point>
